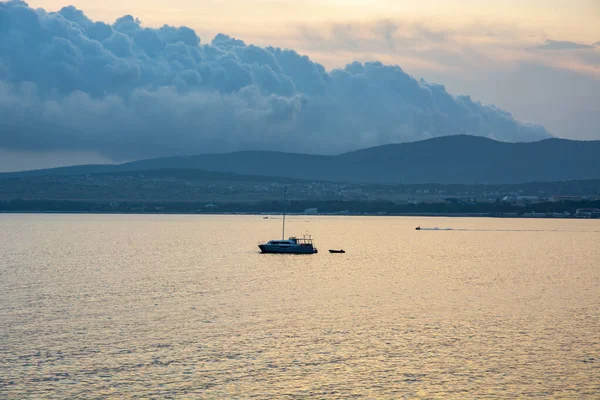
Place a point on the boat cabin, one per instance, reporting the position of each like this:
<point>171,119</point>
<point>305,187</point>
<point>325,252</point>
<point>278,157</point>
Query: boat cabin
<point>306,240</point>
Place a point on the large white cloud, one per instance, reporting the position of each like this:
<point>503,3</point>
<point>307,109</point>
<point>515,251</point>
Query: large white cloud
<point>125,91</point>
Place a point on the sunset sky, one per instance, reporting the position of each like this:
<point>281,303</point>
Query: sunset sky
<point>537,59</point>
<point>467,45</point>
<point>574,20</point>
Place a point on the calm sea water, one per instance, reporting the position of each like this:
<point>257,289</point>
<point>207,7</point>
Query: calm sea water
<point>185,307</point>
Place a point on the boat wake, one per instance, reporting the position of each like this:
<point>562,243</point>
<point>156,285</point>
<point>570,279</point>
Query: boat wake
<point>497,230</point>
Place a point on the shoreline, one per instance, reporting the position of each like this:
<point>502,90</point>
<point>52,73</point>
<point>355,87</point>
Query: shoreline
<point>274,214</point>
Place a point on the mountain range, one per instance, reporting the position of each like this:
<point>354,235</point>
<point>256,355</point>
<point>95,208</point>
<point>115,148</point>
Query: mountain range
<point>460,159</point>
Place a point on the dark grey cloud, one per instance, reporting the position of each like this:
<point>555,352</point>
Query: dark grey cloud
<point>564,45</point>
<point>125,91</point>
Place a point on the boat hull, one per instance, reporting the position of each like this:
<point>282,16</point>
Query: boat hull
<point>271,249</point>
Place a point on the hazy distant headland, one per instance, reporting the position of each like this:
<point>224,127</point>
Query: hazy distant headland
<point>455,174</point>
<point>462,159</point>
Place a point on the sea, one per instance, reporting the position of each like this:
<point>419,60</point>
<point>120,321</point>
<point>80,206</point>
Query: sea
<point>185,306</point>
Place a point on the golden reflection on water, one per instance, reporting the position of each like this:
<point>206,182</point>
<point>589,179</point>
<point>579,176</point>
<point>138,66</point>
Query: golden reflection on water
<point>186,307</point>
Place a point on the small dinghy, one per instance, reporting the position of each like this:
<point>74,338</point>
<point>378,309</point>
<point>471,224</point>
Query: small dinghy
<point>336,251</point>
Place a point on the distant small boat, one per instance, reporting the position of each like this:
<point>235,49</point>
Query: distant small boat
<point>418,228</point>
<point>336,251</point>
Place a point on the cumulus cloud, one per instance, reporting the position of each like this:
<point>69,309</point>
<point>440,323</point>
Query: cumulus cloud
<point>127,91</point>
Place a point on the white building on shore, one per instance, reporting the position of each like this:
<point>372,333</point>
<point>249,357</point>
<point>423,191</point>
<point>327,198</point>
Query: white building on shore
<point>588,213</point>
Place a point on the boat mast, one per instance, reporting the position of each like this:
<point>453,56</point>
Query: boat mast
<point>284,196</point>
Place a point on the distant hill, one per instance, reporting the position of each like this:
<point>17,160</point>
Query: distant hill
<point>458,159</point>
<point>195,175</point>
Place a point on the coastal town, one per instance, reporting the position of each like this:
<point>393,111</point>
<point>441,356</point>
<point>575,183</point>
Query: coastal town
<point>208,192</point>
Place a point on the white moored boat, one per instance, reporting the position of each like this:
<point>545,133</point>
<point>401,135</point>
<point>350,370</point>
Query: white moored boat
<point>293,245</point>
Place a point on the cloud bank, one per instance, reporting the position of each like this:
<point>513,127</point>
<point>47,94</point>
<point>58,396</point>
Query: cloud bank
<point>564,45</point>
<point>127,91</point>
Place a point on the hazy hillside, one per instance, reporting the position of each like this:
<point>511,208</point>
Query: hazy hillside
<point>162,186</point>
<point>452,159</point>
